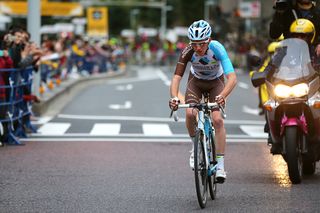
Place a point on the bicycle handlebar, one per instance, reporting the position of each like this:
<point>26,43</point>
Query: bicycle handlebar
<point>200,105</point>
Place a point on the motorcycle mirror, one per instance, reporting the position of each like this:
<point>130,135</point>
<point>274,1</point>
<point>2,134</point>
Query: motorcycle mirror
<point>254,61</point>
<point>258,78</point>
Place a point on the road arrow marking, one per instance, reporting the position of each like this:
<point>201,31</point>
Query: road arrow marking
<point>127,105</point>
<point>124,87</point>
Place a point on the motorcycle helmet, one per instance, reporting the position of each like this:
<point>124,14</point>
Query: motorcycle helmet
<point>303,28</point>
<point>272,47</point>
<point>199,30</point>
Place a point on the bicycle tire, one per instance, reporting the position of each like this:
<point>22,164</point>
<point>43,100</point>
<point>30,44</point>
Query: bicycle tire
<point>200,170</point>
<point>212,183</point>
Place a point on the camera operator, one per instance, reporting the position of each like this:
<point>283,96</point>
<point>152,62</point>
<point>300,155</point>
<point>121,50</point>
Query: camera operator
<point>286,11</point>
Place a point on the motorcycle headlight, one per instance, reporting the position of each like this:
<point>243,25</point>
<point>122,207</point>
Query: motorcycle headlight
<point>300,90</point>
<point>284,91</point>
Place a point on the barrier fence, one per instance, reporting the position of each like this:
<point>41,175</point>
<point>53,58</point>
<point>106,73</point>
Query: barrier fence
<point>15,104</point>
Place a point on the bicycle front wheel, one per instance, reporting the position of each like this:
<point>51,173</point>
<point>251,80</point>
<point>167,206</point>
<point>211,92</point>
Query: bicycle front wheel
<point>200,170</point>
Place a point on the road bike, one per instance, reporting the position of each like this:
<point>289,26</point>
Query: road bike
<point>205,165</point>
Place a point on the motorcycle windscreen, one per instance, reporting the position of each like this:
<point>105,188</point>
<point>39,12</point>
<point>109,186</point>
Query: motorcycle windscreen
<point>292,61</point>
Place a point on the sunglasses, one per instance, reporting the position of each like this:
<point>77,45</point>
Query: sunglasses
<point>200,44</point>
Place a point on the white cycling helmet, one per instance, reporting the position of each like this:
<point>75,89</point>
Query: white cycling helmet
<point>199,30</point>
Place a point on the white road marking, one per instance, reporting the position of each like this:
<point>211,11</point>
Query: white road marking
<point>243,85</point>
<point>254,131</point>
<point>54,128</point>
<point>126,105</point>
<point>106,129</point>
<point>249,110</point>
<point>164,77</point>
<point>41,120</point>
<point>124,87</point>
<point>142,139</point>
<point>156,130</point>
<point>153,119</point>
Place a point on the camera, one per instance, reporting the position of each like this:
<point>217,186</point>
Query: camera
<point>282,5</point>
<point>10,38</point>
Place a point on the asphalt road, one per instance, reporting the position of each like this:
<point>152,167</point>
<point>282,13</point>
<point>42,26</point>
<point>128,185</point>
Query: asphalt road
<point>144,177</point>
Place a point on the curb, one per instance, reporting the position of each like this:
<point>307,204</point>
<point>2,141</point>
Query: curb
<point>53,101</point>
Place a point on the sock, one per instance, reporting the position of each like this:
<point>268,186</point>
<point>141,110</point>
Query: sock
<point>220,161</point>
<point>192,138</point>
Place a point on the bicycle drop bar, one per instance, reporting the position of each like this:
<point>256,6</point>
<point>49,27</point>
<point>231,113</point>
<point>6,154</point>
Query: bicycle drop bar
<point>200,105</point>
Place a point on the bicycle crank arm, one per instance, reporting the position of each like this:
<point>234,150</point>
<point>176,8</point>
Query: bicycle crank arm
<point>212,170</point>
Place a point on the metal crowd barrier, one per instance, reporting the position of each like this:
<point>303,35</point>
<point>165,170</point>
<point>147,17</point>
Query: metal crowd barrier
<point>15,104</point>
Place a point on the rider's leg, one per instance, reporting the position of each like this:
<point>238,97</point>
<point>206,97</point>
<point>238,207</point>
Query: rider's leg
<point>220,132</point>
<point>190,122</point>
<point>220,138</point>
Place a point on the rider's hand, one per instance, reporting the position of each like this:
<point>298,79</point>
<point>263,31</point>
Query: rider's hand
<point>220,100</point>
<point>173,103</point>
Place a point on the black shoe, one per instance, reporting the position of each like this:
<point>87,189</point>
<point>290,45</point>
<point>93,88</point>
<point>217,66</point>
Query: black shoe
<point>275,149</point>
<point>269,140</point>
<point>261,112</point>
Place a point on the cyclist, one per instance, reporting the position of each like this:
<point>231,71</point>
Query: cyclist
<point>209,64</point>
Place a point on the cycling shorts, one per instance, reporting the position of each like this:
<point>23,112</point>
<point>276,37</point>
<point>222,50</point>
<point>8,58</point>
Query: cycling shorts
<point>196,87</point>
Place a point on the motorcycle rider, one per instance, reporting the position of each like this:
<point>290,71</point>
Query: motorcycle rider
<point>286,11</point>
<point>263,94</point>
<point>300,28</point>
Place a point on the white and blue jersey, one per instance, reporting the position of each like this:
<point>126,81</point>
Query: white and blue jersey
<point>210,66</point>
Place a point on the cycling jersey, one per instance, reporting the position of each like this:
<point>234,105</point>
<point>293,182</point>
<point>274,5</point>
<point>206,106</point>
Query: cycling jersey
<point>209,66</point>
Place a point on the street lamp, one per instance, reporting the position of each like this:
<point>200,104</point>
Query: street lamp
<point>133,18</point>
<point>164,11</point>
<point>207,5</point>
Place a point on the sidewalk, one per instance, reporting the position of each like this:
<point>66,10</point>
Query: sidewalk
<point>52,101</point>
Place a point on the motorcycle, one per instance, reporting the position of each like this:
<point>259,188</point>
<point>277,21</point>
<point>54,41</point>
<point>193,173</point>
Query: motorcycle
<point>293,108</point>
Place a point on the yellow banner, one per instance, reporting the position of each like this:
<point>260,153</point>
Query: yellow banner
<point>97,21</point>
<point>47,8</point>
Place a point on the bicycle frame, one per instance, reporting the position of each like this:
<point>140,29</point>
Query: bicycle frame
<point>205,126</point>
<point>204,167</point>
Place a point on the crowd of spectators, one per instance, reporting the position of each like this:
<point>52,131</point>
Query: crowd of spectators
<point>58,58</point>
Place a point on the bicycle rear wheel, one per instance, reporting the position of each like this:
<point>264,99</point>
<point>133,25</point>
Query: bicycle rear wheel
<point>200,170</point>
<point>212,178</point>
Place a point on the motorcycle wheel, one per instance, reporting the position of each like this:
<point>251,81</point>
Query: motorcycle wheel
<point>293,154</point>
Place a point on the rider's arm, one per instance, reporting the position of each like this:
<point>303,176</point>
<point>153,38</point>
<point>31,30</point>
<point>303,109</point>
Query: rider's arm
<point>174,87</point>
<point>184,58</point>
<point>227,66</point>
<point>231,83</point>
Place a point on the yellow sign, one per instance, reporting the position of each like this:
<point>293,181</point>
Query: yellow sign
<point>47,8</point>
<point>97,21</point>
